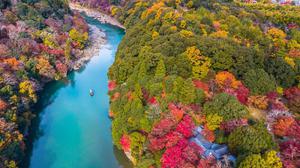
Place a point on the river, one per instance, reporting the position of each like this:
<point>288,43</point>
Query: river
<point>72,128</point>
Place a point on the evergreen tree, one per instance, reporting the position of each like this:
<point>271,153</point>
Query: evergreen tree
<point>250,139</point>
<point>187,92</point>
<point>259,81</point>
<point>160,69</point>
<point>283,72</point>
<point>177,85</point>
<point>142,70</point>
<point>138,91</point>
<point>226,106</point>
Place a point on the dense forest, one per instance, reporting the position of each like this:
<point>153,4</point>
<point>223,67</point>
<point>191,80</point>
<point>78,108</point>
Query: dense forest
<point>226,72</point>
<point>39,42</point>
<point>195,83</point>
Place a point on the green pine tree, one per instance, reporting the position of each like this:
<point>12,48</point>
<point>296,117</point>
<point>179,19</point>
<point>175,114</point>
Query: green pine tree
<point>187,92</point>
<point>142,70</point>
<point>160,69</point>
<point>138,90</point>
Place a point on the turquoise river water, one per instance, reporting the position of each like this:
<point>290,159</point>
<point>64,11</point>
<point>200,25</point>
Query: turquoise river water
<point>72,128</point>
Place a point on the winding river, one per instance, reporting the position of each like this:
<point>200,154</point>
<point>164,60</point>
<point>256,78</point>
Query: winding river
<point>72,128</point>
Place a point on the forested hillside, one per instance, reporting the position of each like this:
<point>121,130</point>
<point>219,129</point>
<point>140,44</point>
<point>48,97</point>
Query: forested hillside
<point>39,42</point>
<point>231,68</point>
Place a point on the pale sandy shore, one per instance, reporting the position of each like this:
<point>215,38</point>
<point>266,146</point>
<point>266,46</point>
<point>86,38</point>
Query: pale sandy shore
<point>104,18</point>
<point>97,39</point>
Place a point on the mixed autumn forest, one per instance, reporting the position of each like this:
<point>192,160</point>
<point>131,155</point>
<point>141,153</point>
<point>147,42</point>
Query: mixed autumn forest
<point>190,78</point>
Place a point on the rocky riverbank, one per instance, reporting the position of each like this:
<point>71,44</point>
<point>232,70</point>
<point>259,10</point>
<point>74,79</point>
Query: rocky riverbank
<point>97,39</point>
<point>103,18</point>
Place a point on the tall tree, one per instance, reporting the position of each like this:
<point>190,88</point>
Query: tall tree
<point>259,81</point>
<point>187,92</point>
<point>160,69</point>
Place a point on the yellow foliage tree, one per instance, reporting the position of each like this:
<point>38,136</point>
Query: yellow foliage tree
<point>183,24</point>
<point>45,68</point>
<point>155,34</point>
<point>213,121</point>
<point>272,160</point>
<point>278,36</point>
<point>186,33</point>
<point>68,48</point>
<point>10,164</point>
<point>50,41</point>
<point>190,4</point>
<point>290,61</point>
<point>275,33</point>
<point>219,34</point>
<point>200,64</point>
<point>80,38</point>
<point>114,10</point>
<point>173,28</point>
<point>26,87</point>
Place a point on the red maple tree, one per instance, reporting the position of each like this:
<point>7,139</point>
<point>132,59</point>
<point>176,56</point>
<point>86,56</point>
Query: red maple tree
<point>125,142</point>
<point>290,153</point>
<point>112,85</point>
<point>186,126</point>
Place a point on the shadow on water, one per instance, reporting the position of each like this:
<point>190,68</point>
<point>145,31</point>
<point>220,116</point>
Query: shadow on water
<point>46,97</point>
<point>122,158</point>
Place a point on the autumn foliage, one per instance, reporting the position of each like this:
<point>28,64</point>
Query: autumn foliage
<point>3,105</point>
<point>125,142</point>
<point>260,102</point>
<point>229,84</point>
<point>183,154</point>
<point>12,62</point>
<point>293,131</point>
<point>293,97</point>
<point>208,134</point>
<point>186,126</point>
<point>175,111</point>
<point>282,125</point>
<point>290,153</point>
<point>34,50</point>
<point>227,80</point>
<point>201,85</point>
<point>111,85</point>
<point>167,133</point>
<point>229,126</point>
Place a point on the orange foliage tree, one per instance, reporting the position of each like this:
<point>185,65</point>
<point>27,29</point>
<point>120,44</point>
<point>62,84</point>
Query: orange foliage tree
<point>12,62</point>
<point>155,7</point>
<point>3,105</point>
<point>260,102</point>
<point>282,124</point>
<point>225,79</point>
<point>45,68</point>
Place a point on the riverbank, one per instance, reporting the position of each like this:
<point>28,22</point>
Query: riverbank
<point>71,129</point>
<point>97,39</point>
<point>103,18</point>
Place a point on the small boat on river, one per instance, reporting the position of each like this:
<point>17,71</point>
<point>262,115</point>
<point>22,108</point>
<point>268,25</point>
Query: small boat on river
<point>91,92</point>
